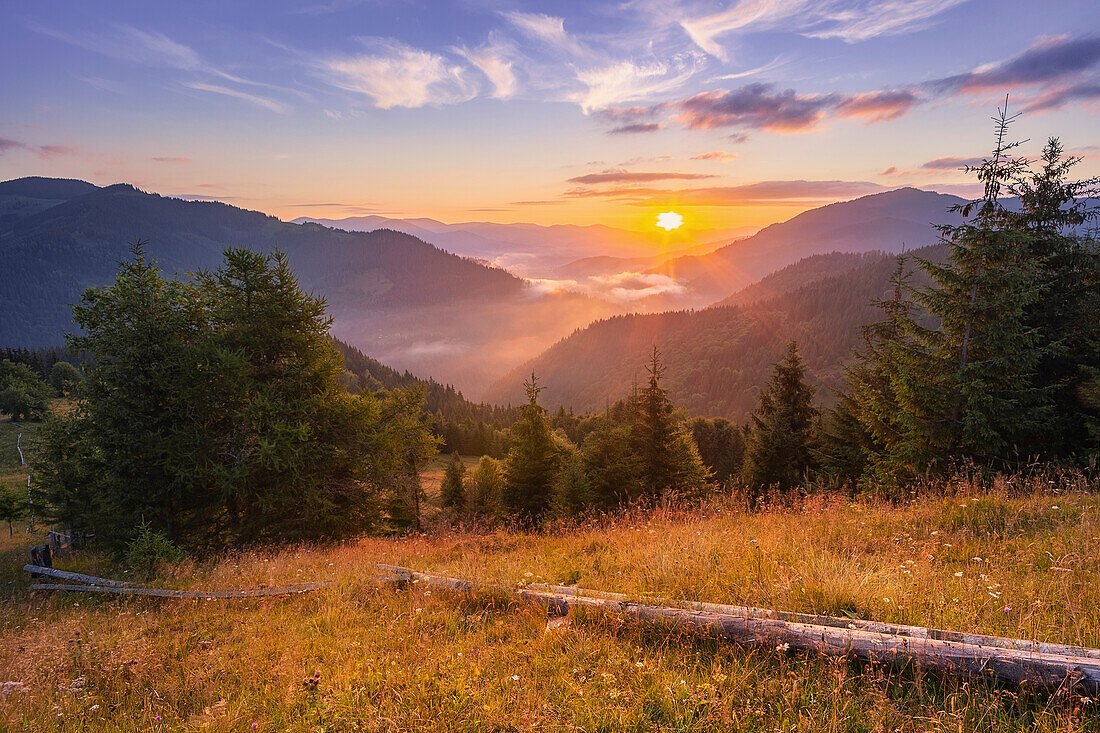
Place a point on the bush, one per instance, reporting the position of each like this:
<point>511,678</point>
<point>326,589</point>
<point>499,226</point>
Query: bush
<point>149,550</point>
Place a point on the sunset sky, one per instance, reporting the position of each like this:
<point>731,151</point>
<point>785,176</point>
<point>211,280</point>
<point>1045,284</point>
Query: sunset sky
<point>733,114</point>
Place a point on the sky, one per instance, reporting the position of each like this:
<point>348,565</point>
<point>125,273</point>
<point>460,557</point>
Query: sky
<point>733,114</point>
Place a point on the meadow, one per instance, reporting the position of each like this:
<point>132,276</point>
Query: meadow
<point>1017,557</point>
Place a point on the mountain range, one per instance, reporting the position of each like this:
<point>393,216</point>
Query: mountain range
<point>458,318</point>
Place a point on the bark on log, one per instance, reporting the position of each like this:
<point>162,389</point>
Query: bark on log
<point>917,632</point>
<point>1040,669</point>
<point>168,593</point>
<point>78,577</point>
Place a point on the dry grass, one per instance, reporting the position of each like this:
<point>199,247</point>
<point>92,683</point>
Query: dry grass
<point>992,561</point>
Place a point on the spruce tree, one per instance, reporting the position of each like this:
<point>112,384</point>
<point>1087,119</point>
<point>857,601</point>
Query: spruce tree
<point>452,490</point>
<point>572,493</point>
<point>670,459</point>
<point>533,460</point>
<point>485,487</point>
<point>781,437</point>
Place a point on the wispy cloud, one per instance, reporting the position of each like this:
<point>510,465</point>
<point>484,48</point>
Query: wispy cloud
<point>257,100</point>
<point>623,176</point>
<point>756,106</point>
<point>1049,59</point>
<point>635,128</point>
<point>493,61</point>
<point>850,22</point>
<point>762,193</point>
<point>45,152</point>
<point>949,163</point>
<point>175,161</point>
<point>393,74</point>
<point>715,155</point>
<point>877,106</point>
<point>627,81</point>
<point>548,29</point>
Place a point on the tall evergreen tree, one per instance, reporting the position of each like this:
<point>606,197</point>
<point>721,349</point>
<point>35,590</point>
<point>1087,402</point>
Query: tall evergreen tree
<point>670,459</point>
<point>485,487</point>
<point>214,414</point>
<point>533,460</point>
<point>452,490</point>
<point>779,444</point>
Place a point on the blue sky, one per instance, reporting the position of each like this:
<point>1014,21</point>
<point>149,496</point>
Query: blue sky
<point>738,113</point>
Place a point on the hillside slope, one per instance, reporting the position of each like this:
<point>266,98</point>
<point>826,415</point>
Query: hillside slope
<point>400,299</point>
<point>892,222</point>
<point>718,358</point>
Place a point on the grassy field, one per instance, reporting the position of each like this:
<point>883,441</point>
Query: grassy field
<point>360,656</point>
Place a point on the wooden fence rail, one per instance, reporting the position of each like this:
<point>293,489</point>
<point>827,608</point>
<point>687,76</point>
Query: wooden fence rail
<point>1009,660</point>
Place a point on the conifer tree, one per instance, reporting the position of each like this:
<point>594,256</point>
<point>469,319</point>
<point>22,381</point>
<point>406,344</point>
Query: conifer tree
<point>533,460</point>
<point>572,494</point>
<point>485,486</point>
<point>452,491</point>
<point>670,459</point>
<point>779,443</point>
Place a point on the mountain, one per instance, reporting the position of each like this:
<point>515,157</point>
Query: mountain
<point>536,251</point>
<point>399,298</point>
<point>719,358</point>
<point>892,222</point>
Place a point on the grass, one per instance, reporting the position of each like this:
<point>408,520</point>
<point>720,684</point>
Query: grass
<point>360,656</point>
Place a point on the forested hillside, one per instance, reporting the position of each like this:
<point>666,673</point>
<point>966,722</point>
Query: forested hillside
<point>719,357</point>
<point>893,222</point>
<point>405,301</point>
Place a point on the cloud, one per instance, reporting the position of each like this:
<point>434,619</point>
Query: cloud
<point>877,106</point>
<point>635,128</point>
<point>494,64</point>
<point>715,155</point>
<point>949,163</point>
<point>845,20</point>
<point>625,287</point>
<point>756,106</point>
<point>762,193</point>
<point>178,161</point>
<point>1049,59</point>
<point>1061,96</point>
<point>626,81</point>
<point>738,137</point>
<point>622,176</point>
<point>548,29</point>
<point>128,43</point>
<point>45,152</point>
<point>760,106</point>
<point>396,75</point>
<point>259,101</point>
<point>891,171</point>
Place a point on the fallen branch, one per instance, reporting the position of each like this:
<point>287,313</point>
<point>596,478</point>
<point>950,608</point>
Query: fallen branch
<point>1005,662</point>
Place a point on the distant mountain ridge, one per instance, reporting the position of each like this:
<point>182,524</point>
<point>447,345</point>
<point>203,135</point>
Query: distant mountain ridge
<point>718,358</point>
<point>401,299</point>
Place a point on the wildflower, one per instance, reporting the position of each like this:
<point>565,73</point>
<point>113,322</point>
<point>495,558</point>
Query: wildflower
<point>1008,608</point>
<point>515,678</point>
<point>156,719</point>
<point>782,647</point>
<point>257,725</point>
<point>639,664</point>
<point>958,574</point>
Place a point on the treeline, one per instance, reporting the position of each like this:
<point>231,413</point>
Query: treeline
<point>639,451</point>
<point>464,427</point>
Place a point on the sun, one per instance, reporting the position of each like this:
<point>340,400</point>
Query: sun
<point>669,220</point>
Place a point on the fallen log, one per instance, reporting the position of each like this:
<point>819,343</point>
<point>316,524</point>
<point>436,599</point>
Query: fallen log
<point>78,577</point>
<point>1004,663</point>
<point>169,593</point>
<point>918,632</point>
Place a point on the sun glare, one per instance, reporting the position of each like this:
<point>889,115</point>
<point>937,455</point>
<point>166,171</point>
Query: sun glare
<point>669,220</point>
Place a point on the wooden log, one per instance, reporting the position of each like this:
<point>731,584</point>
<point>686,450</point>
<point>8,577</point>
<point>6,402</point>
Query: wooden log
<point>78,577</point>
<point>168,593</point>
<point>917,632</point>
<point>1040,669</point>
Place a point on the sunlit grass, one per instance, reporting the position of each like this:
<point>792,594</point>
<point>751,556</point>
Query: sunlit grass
<point>391,659</point>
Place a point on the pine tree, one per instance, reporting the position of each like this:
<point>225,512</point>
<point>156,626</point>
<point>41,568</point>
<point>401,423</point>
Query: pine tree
<point>533,461</point>
<point>670,459</point>
<point>779,443</point>
<point>572,493</point>
<point>452,491</point>
<point>486,485</point>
